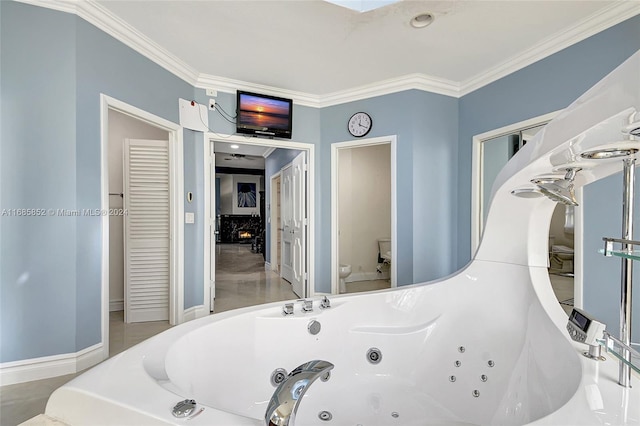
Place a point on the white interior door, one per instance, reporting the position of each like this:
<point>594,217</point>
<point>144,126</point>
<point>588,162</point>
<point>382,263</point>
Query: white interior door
<point>298,225</point>
<point>286,211</point>
<point>146,230</point>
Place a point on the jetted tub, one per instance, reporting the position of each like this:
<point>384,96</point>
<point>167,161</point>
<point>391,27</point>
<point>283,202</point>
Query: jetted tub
<point>487,346</point>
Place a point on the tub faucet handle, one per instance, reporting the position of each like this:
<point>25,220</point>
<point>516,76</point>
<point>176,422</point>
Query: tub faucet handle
<point>287,309</point>
<point>307,305</point>
<point>325,303</point>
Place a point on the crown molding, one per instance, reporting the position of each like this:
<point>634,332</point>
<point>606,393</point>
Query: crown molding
<point>269,151</point>
<point>102,18</point>
<point>597,22</point>
<point>385,87</point>
<point>228,85</point>
<point>393,85</point>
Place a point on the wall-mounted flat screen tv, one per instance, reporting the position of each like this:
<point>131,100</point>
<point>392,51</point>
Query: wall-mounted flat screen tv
<point>264,115</point>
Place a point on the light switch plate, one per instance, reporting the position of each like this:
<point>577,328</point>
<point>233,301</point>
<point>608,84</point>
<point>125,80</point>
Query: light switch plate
<point>189,218</point>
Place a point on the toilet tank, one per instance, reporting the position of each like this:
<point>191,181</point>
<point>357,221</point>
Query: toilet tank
<point>384,247</point>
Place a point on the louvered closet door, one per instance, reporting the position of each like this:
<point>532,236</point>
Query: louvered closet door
<point>146,230</point>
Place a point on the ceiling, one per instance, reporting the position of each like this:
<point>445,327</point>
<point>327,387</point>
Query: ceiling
<point>318,48</point>
<point>243,156</point>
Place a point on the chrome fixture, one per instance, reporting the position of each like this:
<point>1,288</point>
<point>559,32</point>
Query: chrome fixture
<point>527,193</point>
<point>374,355</point>
<point>605,154</point>
<point>621,348</point>
<point>325,303</point>
<point>558,189</point>
<point>184,408</point>
<point>287,309</point>
<point>626,285</point>
<point>325,416</point>
<point>284,403</point>
<point>278,376</point>
<point>307,305</point>
<point>632,129</point>
<point>314,327</point>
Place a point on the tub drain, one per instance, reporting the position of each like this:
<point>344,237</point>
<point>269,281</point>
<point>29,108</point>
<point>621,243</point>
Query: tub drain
<point>374,355</point>
<point>325,416</point>
<point>278,376</point>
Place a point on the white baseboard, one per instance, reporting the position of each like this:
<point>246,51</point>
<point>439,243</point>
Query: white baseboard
<point>195,312</point>
<point>270,267</point>
<point>116,305</point>
<point>51,366</point>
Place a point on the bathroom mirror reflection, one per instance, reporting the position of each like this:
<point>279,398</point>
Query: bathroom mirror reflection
<point>561,255</point>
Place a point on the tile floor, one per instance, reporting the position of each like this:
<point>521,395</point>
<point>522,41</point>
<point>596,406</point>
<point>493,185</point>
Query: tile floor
<point>360,286</point>
<point>241,280</point>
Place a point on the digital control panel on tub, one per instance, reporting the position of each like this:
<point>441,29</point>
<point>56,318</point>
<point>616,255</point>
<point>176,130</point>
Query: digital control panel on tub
<point>584,328</point>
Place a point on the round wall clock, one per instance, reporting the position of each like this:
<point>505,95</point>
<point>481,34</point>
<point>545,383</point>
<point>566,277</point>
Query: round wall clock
<point>360,124</point>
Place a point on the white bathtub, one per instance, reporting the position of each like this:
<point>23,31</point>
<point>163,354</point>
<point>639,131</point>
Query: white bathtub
<point>487,346</point>
<point>225,361</point>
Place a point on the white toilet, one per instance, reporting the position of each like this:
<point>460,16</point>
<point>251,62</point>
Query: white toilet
<point>345,271</point>
<point>384,250</point>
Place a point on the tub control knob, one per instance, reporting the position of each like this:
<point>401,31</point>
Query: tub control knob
<point>287,309</point>
<point>314,327</point>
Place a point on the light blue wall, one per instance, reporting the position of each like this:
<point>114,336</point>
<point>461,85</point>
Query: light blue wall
<point>54,67</point>
<point>272,165</point>
<point>548,85</point>
<point>37,170</point>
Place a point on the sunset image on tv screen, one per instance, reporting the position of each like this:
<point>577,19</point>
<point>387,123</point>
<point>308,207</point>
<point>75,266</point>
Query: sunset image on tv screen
<point>263,112</point>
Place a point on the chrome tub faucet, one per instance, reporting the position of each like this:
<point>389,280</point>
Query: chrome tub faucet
<point>325,303</point>
<point>283,405</point>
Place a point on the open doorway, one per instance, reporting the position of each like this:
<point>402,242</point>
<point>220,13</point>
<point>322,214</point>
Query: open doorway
<point>121,129</point>
<point>245,273</point>
<point>124,125</point>
<point>363,215</point>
